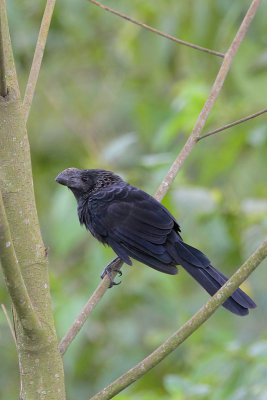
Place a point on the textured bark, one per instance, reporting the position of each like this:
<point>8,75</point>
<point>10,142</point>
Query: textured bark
<point>7,55</point>
<point>40,362</point>
<point>14,280</point>
<point>39,358</point>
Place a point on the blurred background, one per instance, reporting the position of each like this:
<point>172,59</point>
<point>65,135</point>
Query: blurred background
<point>112,95</point>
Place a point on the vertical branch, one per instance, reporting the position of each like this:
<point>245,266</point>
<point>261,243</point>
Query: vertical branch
<point>3,86</point>
<point>38,56</point>
<point>6,51</point>
<point>14,280</point>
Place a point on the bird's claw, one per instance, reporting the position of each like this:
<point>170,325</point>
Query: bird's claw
<point>107,271</point>
<point>113,283</point>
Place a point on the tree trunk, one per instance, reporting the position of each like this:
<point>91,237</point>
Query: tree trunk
<point>40,362</point>
<point>39,358</point>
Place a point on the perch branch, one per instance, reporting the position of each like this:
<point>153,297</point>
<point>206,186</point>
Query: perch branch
<point>9,323</point>
<point>165,35</point>
<point>88,308</point>
<point>232,124</point>
<point>192,140</point>
<point>14,280</point>
<point>38,56</point>
<point>188,328</point>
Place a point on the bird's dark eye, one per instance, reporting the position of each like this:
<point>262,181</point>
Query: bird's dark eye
<point>85,179</point>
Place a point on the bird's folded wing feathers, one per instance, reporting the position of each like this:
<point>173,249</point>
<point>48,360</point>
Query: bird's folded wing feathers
<point>134,213</point>
<point>138,228</point>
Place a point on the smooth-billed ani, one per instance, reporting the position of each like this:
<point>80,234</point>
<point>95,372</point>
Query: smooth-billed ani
<point>136,225</point>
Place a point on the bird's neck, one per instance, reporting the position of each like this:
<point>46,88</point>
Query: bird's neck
<point>83,212</point>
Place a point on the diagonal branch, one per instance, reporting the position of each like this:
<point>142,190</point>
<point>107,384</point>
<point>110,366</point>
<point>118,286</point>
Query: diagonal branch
<point>88,308</point>
<point>165,35</point>
<point>188,147</point>
<point>9,323</point>
<point>14,280</point>
<point>212,97</point>
<point>188,328</point>
<point>38,56</point>
<point>232,124</point>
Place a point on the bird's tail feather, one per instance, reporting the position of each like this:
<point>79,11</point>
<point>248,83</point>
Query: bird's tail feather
<point>199,267</point>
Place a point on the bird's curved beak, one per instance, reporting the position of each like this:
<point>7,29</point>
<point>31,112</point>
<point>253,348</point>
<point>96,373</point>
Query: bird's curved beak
<point>69,177</point>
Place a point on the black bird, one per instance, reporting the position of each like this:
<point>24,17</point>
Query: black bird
<point>136,225</point>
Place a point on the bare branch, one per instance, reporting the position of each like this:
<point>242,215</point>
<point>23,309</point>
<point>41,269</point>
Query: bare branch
<point>232,124</point>
<point>3,85</point>
<point>188,328</point>
<point>193,138</point>
<point>165,35</point>
<point>88,308</point>
<point>9,323</point>
<point>214,93</point>
<point>38,56</point>
<point>14,280</point>
<point>8,70</point>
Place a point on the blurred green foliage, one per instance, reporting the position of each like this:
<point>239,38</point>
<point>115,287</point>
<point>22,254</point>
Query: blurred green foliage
<point>111,95</point>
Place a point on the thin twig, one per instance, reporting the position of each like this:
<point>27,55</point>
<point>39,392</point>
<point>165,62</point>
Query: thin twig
<point>188,328</point>
<point>38,56</point>
<point>232,124</point>
<point>14,280</point>
<point>165,35</point>
<point>3,84</point>
<point>9,323</point>
<point>88,308</point>
<point>192,140</point>
<point>214,93</point>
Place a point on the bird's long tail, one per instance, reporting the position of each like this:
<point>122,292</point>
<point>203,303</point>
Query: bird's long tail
<point>199,267</point>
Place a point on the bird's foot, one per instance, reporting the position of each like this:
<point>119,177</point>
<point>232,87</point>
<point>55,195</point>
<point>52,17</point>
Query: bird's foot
<point>108,269</point>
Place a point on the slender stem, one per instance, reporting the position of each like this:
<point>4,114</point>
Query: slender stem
<point>188,328</point>
<point>165,35</point>
<point>193,138</point>
<point>14,280</point>
<point>3,84</point>
<point>38,56</point>
<point>214,93</point>
<point>9,323</point>
<point>232,124</point>
<point>88,308</point>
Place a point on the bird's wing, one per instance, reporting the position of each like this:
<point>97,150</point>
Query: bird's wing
<point>135,225</point>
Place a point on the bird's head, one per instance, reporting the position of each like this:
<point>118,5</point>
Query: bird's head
<point>83,182</point>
